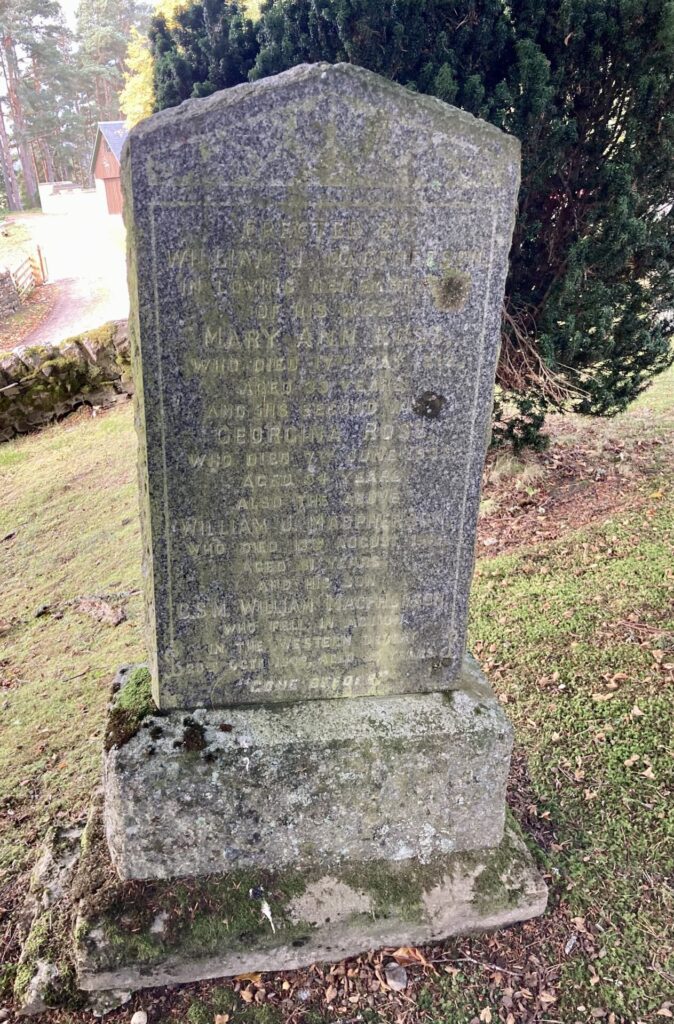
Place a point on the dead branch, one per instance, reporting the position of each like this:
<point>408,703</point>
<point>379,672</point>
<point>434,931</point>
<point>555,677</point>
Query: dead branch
<point>521,367</point>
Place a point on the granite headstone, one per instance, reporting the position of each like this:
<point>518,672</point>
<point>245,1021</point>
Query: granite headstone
<point>317,264</point>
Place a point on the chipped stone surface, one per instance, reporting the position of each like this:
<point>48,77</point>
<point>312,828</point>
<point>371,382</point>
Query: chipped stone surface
<point>395,777</point>
<point>34,998</point>
<point>54,869</point>
<point>317,264</point>
<point>457,894</point>
<point>102,1003</point>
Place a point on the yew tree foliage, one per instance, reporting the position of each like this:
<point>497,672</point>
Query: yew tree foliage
<point>588,88</point>
<point>210,45</point>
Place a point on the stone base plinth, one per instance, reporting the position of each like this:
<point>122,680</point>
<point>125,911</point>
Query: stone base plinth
<point>131,935</point>
<point>309,784</point>
<point>95,939</point>
<point>254,839</point>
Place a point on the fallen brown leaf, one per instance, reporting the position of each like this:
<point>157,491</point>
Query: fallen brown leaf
<point>407,955</point>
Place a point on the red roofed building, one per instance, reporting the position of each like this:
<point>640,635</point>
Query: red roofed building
<point>105,162</point>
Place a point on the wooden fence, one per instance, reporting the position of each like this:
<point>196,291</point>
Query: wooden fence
<point>30,273</point>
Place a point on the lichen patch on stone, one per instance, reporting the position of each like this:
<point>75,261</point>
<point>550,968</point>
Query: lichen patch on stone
<point>450,289</point>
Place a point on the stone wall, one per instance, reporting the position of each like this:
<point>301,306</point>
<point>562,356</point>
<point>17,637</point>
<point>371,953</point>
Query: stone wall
<point>41,383</point>
<point>9,297</point>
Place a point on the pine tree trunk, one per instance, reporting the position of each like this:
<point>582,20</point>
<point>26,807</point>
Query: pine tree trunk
<point>7,168</point>
<point>47,161</point>
<point>11,69</point>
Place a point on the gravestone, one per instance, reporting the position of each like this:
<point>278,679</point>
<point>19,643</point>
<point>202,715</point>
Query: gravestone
<point>317,265</point>
<point>319,262</point>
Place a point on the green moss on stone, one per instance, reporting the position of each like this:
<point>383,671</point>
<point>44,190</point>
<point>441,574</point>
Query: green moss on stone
<point>206,915</point>
<point>395,888</point>
<point>52,380</point>
<point>130,705</point>
<point>62,992</point>
<point>202,916</point>
<point>23,976</point>
<point>36,353</point>
<point>38,937</point>
<point>48,941</point>
<point>85,839</point>
<point>496,887</point>
<point>100,337</point>
<point>125,946</point>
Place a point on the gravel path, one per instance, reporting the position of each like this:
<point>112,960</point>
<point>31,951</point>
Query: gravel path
<point>84,250</point>
<point>81,306</point>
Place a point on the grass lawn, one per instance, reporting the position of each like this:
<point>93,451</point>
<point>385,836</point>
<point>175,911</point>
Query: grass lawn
<point>573,619</point>
<point>16,237</point>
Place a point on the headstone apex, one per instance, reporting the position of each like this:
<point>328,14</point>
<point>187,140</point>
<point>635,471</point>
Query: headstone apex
<point>449,118</point>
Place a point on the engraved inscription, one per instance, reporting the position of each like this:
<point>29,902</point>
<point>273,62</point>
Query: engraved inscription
<point>303,449</point>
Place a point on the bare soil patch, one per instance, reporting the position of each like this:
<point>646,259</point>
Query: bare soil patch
<point>591,470</point>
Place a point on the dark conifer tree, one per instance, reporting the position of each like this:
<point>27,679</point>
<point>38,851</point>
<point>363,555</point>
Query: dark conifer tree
<point>588,88</point>
<point>211,45</point>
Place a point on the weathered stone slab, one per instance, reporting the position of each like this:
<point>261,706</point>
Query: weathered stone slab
<point>94,938</point>
<point>317,264</point>
<point>309,784</point>
<point>223,925</point>
<point>45,977</point>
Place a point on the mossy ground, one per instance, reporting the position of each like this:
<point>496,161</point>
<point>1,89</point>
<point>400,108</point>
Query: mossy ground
<point>585,662</point>
<point>577,635</point>
<point>222,1001</point>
